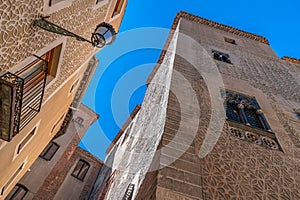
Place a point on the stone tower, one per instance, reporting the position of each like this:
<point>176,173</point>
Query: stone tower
<point>220,120</point>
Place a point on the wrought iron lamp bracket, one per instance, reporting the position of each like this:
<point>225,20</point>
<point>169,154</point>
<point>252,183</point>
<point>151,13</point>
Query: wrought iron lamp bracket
<point>49,26</point>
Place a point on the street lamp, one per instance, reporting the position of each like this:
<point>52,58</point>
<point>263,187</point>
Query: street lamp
<point>104,33</point>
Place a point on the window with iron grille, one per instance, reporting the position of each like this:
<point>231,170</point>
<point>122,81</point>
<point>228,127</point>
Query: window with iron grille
<point>245,109</point>
<point>129,192</point>
<point>81,169</point>
<point>17,193</point>
<point>221,56</point>
<point>49,151</point>
<point>21,93</point>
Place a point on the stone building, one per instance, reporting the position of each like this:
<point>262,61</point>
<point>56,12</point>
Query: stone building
<point>40,73</point>
<point>220,120</point>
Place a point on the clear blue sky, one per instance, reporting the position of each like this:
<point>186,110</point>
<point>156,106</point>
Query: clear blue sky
<point>119,82</point>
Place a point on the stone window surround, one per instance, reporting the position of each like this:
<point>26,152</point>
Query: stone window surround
<point>59,41</point>
<point>56,123</point>
<point>109,9</point>
<point>243,87</point>
<point>74,87</point>
<point>100,4</point>
<point>9,183</point>
<point>230,40</point>
<point>19,187</point>
<point>56,7</point>
<point>241,107</point>
<point>35,128</point>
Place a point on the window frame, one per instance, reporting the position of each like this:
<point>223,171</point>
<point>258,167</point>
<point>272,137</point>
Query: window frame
<point>79,173</point>
<point>223,57</point>
<point>26,140</point>
<point>47,149</point>
<point>230,40</point>
<point>19,187</point>
<point>243,102</point>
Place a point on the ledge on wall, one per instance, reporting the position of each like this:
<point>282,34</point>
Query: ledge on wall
<point>290,59</point>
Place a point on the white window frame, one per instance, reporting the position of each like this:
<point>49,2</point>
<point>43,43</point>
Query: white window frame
<point>36,127</point>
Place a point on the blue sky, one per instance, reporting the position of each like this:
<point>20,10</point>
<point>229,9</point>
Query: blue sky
<point>119,81</point>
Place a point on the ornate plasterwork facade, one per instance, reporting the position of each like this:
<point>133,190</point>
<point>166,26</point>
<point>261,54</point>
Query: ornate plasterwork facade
<point>19,42</point>
<point>244,163</point>
<point>19,39</point>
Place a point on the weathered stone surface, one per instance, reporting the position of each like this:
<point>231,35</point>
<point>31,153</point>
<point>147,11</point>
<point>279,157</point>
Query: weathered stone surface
<point>230,168</point>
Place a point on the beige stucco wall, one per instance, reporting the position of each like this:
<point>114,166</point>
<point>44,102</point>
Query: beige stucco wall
<point>19,40</point>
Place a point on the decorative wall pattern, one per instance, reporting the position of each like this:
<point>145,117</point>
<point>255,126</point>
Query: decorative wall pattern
<point>254,138</point>
<point>19,39</point>
<point>241,170</point>
<point>244,164</point>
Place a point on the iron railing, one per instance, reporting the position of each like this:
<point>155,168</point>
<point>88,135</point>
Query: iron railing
<point>21,97</point>
<point>129,192</point>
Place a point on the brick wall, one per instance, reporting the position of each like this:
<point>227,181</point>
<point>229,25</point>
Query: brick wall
<point>61,171</point>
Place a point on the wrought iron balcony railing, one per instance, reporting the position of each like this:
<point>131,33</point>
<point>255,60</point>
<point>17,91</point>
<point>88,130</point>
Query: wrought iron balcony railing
<point>129,192</point>
<point>21,96</point>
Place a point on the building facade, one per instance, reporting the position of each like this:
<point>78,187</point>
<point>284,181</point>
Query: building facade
<point>220,120</point>
<point>40,72</point>
<point>63,170</point>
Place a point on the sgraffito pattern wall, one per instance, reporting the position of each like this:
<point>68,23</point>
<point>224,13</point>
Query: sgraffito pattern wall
<point>19,39</point>
<point>235,168</point>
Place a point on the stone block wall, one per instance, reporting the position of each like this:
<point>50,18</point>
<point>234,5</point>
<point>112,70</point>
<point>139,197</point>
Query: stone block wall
<point>234,168</point>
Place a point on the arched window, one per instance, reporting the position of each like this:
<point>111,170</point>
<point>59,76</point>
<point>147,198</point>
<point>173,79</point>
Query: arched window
<point>245,109</point>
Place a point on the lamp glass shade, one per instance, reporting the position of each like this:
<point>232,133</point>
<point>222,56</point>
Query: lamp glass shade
<point>104,33</point>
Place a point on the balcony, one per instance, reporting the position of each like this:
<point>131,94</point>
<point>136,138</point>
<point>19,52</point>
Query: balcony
<point>21,96</point>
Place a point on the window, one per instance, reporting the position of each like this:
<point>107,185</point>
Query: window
<point>17,193</point>
<point>58,121</point>
<point>79,121</point>
<point>118,8</point>
<point>229,40</point>
<point>49,151</point>
<point>21,93</point>
<point>129,192</point>
<point>245,109</point>
<point>12,178</point>
<point>53,59</point>
<point>221,56</point>
<point>25,141</point>
<point>63,128</point>
<point>297,114</point>
<point>98,1</point>
<point>52,2</point>
<point>81,169</point>
<point>74,85</point>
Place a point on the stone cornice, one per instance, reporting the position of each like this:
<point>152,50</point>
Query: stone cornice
<point>290,59</point>
<point>219,26</point>
<point>207,22</point>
